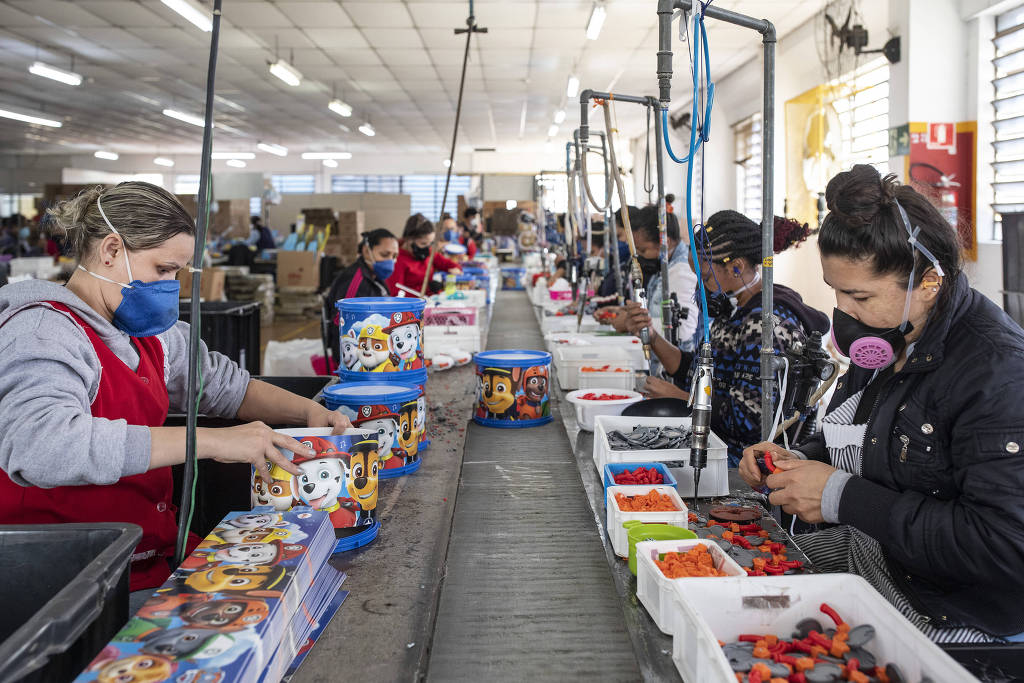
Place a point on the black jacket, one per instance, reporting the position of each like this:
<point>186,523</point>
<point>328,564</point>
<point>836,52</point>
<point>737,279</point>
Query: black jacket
<point>942,488</point>
<point>369,285</point>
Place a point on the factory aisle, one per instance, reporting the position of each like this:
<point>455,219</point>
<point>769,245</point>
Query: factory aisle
<point>527,594</point>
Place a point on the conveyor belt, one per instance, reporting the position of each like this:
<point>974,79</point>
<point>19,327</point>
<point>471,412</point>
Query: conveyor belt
<point>527,593</point>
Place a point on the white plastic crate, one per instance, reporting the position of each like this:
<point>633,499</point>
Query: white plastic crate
<point>725,608</point>
<point>438,339</point>
<point>587,410</point>
<point>614,517</point>
<point>451,316</point>
<point>567,323</point>
<point>654,590</point>
<point>569,359</point>
<point>714,479</point>
<point>608,380</point>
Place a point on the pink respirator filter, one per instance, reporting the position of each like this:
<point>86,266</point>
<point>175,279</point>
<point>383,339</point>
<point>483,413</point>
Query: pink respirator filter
<point>870,353</point>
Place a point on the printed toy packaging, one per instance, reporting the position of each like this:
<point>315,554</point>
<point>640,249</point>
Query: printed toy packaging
<point>513,388</point>
<point>340,479</point>
<point>381,335</point>
<point>222,614</point>
<point>390,410</point>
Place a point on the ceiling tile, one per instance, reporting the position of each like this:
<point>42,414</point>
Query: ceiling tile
<point>392,37</point>
<point>255,15</point>
<point>379,14</point>
<point>315,14</point>
<point>123,14</point>
<point>347,57</point>
<point>346,38</point>
<point>60,12</point>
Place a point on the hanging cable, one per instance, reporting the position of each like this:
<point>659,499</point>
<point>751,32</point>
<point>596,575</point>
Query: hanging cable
<point>648,182</point>
<point>470,29</point>
<point>195,378</point>
<point>582,157</point>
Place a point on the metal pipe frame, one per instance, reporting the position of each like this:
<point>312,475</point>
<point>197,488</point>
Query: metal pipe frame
<point>768,39</point>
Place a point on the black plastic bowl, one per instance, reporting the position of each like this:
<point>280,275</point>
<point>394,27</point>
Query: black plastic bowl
<point>658,407</point>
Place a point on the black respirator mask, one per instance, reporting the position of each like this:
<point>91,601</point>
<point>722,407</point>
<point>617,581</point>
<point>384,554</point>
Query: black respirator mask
<point>420,253</point>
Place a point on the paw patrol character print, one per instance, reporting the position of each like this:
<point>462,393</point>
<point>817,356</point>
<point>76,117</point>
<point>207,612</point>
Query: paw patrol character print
<point>533,403</point>
<point>498,388</point>
<point>134,669</point>
<point>373,344</point>
<point>320,484</point>
<point>350,350</point>
<point>404,341</point>
<point>384,421</point>
<point>229,614</point>
<point>364,465</point>
<point>253,520</point>
<point>186,642</point>
<point>408,434</point>
<point>252,554</point>
<point>235,578</point>
<point>278,493</point>
<point>259,535</point>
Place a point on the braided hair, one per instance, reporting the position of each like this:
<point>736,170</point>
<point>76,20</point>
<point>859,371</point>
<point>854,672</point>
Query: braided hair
<point>729,235</point>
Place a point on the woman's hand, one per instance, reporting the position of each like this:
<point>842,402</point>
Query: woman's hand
<point>748,468</point>
<point>455,271</point>
<point>610,313</point>
<point>318,416</point>
<point>637,318</point>
<point>799,485</point>
<point>254,443</point>
<point>659,388</point>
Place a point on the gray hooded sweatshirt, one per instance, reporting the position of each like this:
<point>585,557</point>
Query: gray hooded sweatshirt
<point>49,377</point>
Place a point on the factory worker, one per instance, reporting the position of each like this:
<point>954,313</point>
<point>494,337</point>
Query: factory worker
<point>378,252</point>
<point>451,232</point>
<point>920,460</point>
<point>730,267</point>
<point>88,372</point>
<point>411,267</point>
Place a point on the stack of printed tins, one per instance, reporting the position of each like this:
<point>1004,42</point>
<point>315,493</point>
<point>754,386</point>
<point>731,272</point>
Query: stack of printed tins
<point>384,377</point>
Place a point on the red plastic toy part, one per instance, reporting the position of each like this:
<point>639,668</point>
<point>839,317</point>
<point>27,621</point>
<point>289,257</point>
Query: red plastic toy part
<point>591,396</point>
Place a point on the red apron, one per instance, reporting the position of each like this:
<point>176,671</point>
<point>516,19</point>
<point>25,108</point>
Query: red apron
<point>145,499</point>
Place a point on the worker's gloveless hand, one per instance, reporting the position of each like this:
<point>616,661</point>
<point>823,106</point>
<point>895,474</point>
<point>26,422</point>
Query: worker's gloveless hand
<point>659,388</point>
<point>610,313</point>
<point>254,443</point>
<point>799,485</point>
<point>748,468</point>
<point>637,318</point>
<point>318,416</point>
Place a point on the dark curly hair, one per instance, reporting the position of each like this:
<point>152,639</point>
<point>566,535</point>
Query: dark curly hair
<point>864,223</point>
<point>731,235</point>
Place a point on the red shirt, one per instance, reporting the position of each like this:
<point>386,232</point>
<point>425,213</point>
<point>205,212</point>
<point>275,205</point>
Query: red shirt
<point>470,246</point>
<point>410,272</point>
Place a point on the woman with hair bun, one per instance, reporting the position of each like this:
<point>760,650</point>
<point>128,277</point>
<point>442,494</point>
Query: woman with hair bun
<point>729,247</point>
<point>89,370</point>
<point>919,464</point>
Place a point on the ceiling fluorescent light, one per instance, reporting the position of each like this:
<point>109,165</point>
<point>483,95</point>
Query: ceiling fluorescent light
<point>367,130</point>
<point>53,73</point>
<point>187,118</point>
<point>339,108</point>
<point>511,204</point>
<point>344,128</point>
<point>163,161</point>
<point>235,163</point>
<point>572,88</point>
<point>327,155</point>
<point>233,155</point>
<point>446,163</point>
<point>29,119</point>
<point>286,72</point>
<point>276,150</point>
<point>330,163</point>
<point>559,116</point>
<point>196,14</point>
<point>553,130</point>
<point>109,156</point>
<point>596,21</point>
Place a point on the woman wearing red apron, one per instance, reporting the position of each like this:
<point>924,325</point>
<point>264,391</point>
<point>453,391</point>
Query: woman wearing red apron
<point>89,371</point>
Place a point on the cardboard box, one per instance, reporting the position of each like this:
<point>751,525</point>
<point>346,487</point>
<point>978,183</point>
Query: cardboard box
<point>344,248</point>
<point>298,269</point>
<point>211,284</point>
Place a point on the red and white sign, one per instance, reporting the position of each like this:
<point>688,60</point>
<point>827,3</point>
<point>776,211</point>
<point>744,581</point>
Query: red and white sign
<point>942,136</point>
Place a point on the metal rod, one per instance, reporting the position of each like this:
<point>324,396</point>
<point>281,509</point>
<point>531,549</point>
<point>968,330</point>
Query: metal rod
<point>762,26</point>
<point>666,301</point>
<point>202,224</point>
<point>768,237</point>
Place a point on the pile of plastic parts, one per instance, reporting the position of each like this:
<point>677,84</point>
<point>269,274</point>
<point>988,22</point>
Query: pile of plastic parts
<point>750,545</point>
<point>695,562</point>
<point>649,502</point>
<point>638,477</point>
<point>649,438</point>
<point>812,654</point>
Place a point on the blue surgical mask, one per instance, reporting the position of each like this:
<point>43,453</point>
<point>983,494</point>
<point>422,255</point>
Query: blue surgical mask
<point>451,235</point>
<point>384,269</point>
<point>146,308</point>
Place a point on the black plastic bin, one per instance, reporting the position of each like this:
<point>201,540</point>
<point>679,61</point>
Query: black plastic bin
<point>230,327</point>
<point>64,591</point>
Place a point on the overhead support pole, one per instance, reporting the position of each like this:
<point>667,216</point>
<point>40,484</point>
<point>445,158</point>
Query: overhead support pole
<point>666,8</point>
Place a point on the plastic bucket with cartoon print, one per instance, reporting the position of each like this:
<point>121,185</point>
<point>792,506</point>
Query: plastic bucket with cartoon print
<point>341,479</point>
<point>413,378</point>
<point>513,388</point>
<point>513,278</point>
<point>390,410</point>
<point>381,336</point>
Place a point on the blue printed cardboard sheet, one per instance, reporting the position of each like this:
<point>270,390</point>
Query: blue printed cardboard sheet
<point>222,614</point>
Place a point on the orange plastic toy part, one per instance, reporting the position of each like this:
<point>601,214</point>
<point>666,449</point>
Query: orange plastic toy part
<point>695,562</point>
<point>651,501</point>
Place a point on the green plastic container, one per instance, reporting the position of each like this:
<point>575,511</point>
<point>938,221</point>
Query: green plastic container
<point>637,531</point>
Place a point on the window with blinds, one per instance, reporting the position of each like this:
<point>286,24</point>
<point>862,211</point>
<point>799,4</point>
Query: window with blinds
<point>1008,117</point>
<point>862,105</point>
<point>294,184</point>
<point>747,136</point>
<point>186,184</point>
<point>426,191</point>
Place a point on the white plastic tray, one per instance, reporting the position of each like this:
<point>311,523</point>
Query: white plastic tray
<point>725,608</point>
<point>654,590</point>
<point>438,339</point>
<point>714,479</point>
<point>587,411</point>
<point>614,380</point>
<point>614,517</point>
<point>569,359</point>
